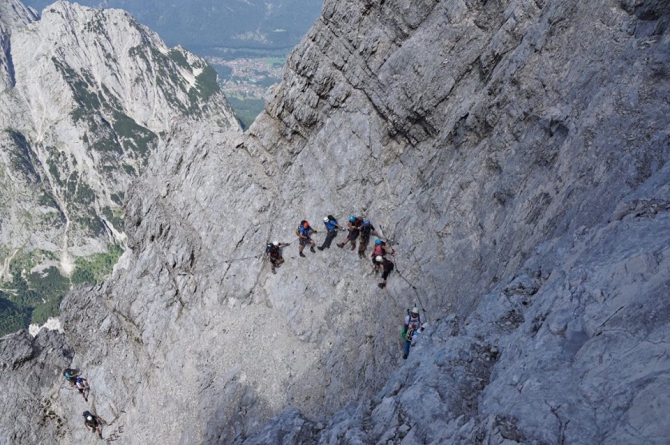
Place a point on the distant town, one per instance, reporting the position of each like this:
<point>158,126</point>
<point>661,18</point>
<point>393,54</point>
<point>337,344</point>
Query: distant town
<point>244,82</point>
<point>247,78</point>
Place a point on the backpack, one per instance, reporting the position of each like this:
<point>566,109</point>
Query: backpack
<point>69,373</point>
<point>366,227</point>
<point>410,317</point>
<point>271,249</point>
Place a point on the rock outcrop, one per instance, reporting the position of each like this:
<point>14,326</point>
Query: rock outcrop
<point>514,153</point>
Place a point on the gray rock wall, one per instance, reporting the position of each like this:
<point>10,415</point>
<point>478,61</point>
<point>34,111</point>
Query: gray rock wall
<point>30,369</point>
<point>515,155</point>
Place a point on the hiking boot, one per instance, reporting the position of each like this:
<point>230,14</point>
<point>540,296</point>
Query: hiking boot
<point>404,356</point>
<point>274,271</point>
<point>320,247</point>
<point>340,245</point>
<point>382,285</point>
<point>353,247</point>
<point>302,254</point>
<point>311,249</point>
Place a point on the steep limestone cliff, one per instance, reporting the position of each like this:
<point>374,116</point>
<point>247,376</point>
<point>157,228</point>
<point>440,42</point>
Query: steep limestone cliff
<point>513,152</point>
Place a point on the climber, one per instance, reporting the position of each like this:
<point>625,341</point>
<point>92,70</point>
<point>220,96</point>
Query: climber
<point>273,252</point>
<point>93,423</point>
<point>387,266</point>
<point>83,387</point>
<point>304,231</point>
<point>354,227</point>
<point>413,326</point>
<point>380,250</point>
<point>332,227</point>
<point>366,229</point>
<point>71,375</point>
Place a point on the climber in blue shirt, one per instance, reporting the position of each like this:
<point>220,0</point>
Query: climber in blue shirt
<point>331,227</point>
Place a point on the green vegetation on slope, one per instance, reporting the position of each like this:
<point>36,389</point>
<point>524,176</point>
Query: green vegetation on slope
<point>246,110</point>
<point>33,297</point>
<point>97,267</point>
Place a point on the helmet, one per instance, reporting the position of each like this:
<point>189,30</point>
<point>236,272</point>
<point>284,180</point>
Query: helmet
<point>415,310</point>
<point>379,258</point>
<point>325,219</point>
<point>305,224</point>
<point>87,414</point>
<point>352,218</point>
<point>378,242</point>
<point>275,243</point>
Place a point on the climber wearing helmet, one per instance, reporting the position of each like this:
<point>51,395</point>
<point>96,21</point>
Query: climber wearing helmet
<point>304,232</point>
<point>412,327</point>
<point>367,229</point>
<point>83,387</point>
<point>273,253</point>
<point>93,423</point>
<point>71,375</point>
<point>331,227</point>
<point>380,250</point>
<point>354,227</point>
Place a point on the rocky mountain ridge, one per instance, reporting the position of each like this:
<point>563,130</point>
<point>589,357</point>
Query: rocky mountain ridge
<point>515,155</point>
<point>86,96</point>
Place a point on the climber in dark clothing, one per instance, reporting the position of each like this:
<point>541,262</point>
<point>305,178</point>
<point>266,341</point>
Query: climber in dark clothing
<point>387,266</point>
<point>93,423</point>
<point>354,227</point>
<point>366,230</point>
<point>273,252</point>
<point>331,227</point>
<point>304,233</point>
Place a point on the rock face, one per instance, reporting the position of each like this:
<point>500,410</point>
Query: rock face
<point>86,95</point>
<point>30,367</point>
<point>515,155</point>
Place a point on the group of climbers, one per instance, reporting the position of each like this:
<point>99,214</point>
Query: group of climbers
<point>92,422</point>
<point>357,227</point>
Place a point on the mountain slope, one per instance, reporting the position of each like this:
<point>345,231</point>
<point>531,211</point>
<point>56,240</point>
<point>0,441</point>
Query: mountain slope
<point>87,96</point>
<point>514,153</point>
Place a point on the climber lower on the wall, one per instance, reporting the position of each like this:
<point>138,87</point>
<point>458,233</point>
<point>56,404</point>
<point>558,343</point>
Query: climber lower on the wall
<point>411,329</point>
<point>331,231</point>
<point>93,423</point>
<point>273,253</point>
<point>70,375</point>
<point>304,233</point>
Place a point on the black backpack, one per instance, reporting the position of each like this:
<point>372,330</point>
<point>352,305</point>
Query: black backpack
<point>271,249</point>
